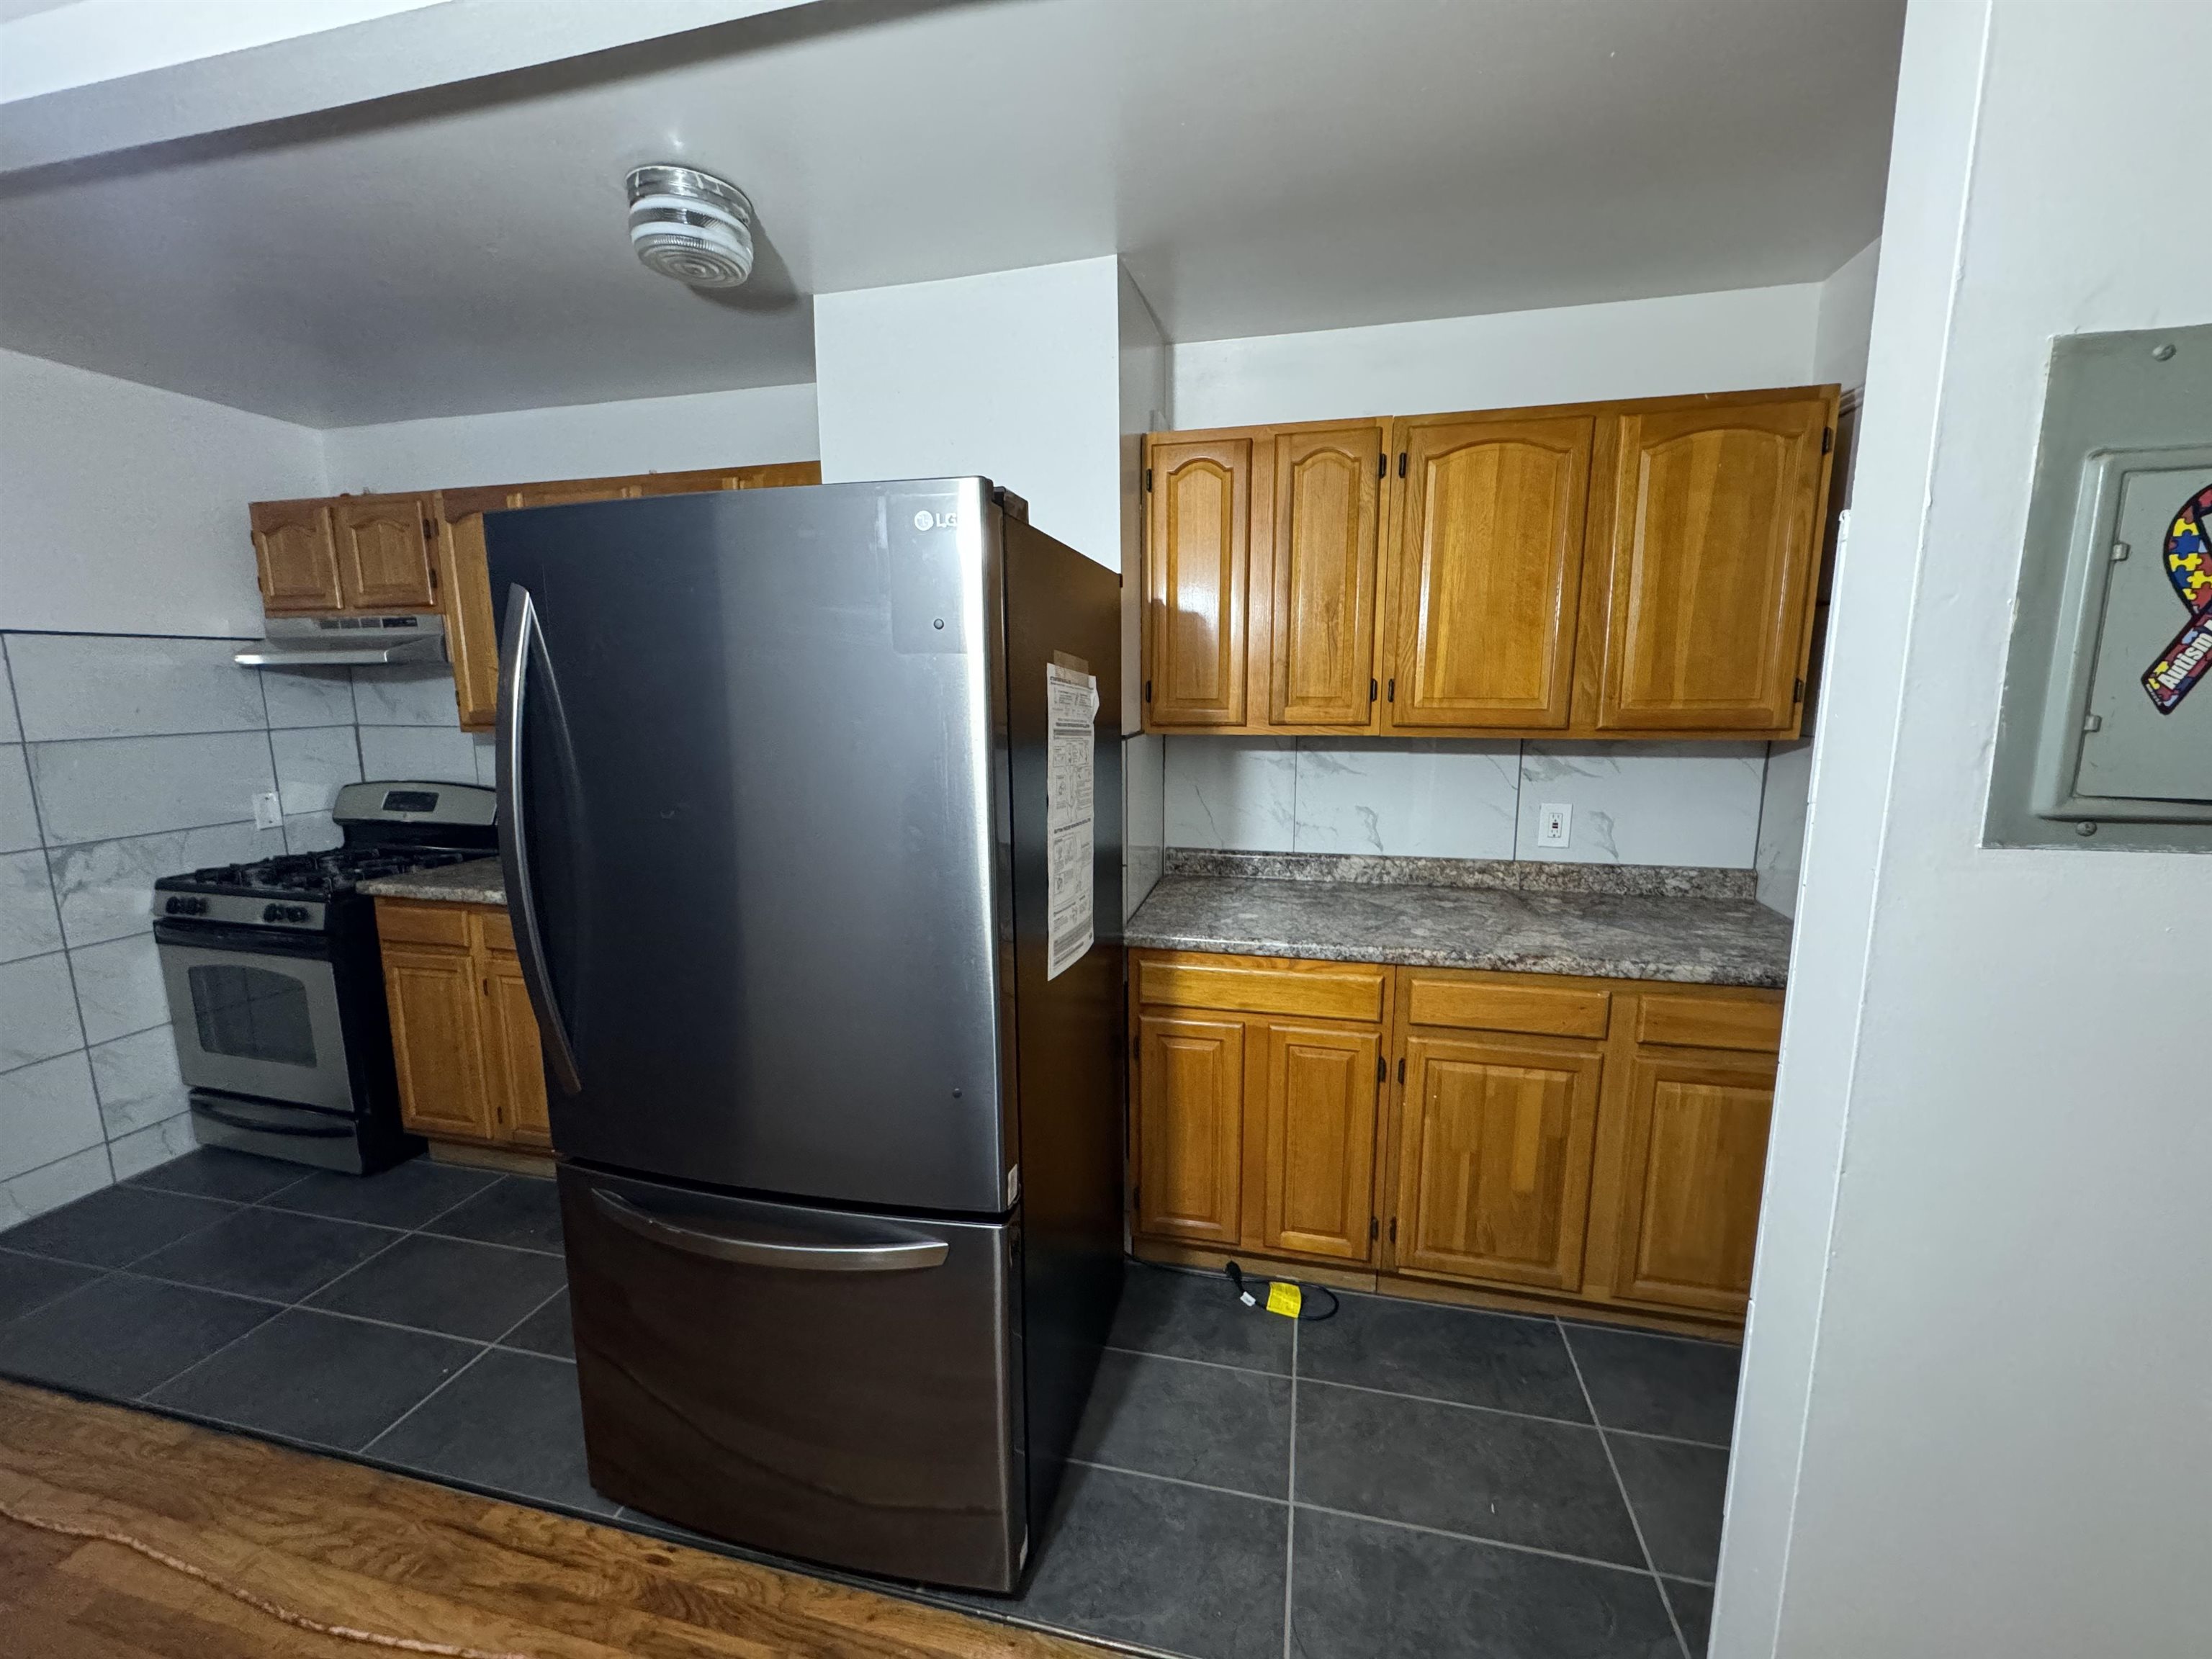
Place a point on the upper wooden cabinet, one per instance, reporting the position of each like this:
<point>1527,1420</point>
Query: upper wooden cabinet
<point>1323,543</point>
<point>384,546</point>
<point>1585,571</point>
<point>1703,549</point>
<point>296,556</point>
<point>1196,574</point>
<point>1488,566</point>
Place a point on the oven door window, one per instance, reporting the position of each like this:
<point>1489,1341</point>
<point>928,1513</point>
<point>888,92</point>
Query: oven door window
<point>251,1013</point>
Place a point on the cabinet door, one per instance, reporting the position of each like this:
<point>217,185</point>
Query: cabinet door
<point>1694,1159</point>
<point>1707,551</point>
<point>472,638</point>
<point>436,1003</point>
<point>776,476</point>
<point>1494,1159</point>
<point>1197,558</point>
<point>515,1063</point>
<point>384,554</point>
<point>567,492</point>
<point>296,556</point>
<point>1190,1127</point>
<point>1487,572</point>
<point>1328,504</point>
<point>1318,1122</point>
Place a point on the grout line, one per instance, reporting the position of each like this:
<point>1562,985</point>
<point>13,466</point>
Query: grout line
<point>308,1307</point>
<point>1290,1485</point>
<point>1187,1359</point>
<point>460,1371</point>
<point>500,1341</point>
<point>1176,1480</point>
<point>1635,1522</point>
<point>1488,1543</point>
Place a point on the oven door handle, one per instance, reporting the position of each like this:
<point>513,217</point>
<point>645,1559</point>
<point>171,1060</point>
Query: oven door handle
<point>522,638</point>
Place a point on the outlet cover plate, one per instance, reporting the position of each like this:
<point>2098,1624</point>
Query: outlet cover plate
<point>1555,824</point>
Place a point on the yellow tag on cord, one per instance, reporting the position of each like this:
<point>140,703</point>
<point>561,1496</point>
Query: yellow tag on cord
<point>1285,1299</point>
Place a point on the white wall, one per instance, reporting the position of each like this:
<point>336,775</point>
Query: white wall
<point>747,427</point>
<point>1146,405</point>
<point>1015,375</point>
<point>1844,319</point>
<point>123,507</point>
<point>1977,1406</point>
<point>1735,340</point>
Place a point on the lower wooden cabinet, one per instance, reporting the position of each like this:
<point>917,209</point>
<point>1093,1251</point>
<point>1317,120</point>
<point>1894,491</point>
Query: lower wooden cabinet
<point>1602,1142</point>
<point>463,1034</point>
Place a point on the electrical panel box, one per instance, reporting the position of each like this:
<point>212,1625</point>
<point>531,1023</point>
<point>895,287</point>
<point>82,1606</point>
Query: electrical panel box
<point>2105,738</point>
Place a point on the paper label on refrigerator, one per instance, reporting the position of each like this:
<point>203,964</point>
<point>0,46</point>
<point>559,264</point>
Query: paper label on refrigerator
<point>1070,715</point>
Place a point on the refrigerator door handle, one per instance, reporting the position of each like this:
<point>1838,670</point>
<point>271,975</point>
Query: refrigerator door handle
<point>886,1252</point>
<point>521,638</point>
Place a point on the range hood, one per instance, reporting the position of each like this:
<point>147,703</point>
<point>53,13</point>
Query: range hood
<point>344,641</point>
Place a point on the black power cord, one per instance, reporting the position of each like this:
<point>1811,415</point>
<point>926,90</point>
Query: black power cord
<point>1306,1293</point>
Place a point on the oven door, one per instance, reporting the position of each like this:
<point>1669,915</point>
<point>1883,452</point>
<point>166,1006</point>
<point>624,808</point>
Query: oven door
<point>256,1013</point>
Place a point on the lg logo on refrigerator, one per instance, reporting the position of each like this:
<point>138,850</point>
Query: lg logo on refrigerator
<point>926,521</point>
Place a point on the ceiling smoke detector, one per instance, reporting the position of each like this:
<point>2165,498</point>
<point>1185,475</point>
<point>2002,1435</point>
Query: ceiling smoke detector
<point>691,226</point>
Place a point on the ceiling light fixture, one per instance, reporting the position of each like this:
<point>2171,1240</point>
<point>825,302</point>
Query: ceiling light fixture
<point>691,226</point>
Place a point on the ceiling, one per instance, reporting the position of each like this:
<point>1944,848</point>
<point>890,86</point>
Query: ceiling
<point>1261,167</point>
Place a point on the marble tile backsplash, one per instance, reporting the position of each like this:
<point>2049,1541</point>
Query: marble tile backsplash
<point>1661,803</point>
<point>123,757</point>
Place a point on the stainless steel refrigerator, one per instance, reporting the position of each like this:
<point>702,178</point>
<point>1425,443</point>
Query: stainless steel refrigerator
<point>806,805</point>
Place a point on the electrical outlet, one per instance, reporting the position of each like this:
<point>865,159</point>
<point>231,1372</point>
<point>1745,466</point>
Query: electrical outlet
<point>268,812</point>
<point>1555,824</point>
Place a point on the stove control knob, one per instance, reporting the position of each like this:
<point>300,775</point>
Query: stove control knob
<point>183,906</point>
<point>272,913</point>
<point>174,906</point>
<point>296,913</point>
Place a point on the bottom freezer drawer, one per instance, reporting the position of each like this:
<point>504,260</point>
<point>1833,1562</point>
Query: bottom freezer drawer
<point>842,1387</point>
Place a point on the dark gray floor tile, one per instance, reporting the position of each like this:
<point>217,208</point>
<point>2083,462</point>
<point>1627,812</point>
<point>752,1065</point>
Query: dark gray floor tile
<point>32,1281</point>
<point>1677,1493</point>
<point>1363,1590</point>
<point>406,1195</point>
<point>268,1252</point>
<point>312,1376</point>
<point>1659,1384</point>
<point>114,1225</point>
<point>121,1336</point>
<point>1202,1423</point>
<point>449,1284</point>
<point>1693,1611</point>
<point>1165,1566</point>
<point>1445,1354</point>
<point>1482,1473</point>
<point>218,1172</point>
<point>520,1209</point>
<point>546,1331</point>
<point>1197,1316</point>
<point>511,1423</point>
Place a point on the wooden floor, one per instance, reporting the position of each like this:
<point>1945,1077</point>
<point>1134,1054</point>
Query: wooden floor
<point>338,1545</point>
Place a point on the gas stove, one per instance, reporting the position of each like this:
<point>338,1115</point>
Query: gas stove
<point>277,985</point>
<point>390,829</point>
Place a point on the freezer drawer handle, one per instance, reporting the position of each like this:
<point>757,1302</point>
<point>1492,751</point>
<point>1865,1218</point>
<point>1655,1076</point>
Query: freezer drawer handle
<point>891,1255</point>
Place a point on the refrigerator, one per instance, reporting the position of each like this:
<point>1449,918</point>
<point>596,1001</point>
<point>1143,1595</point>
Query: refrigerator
<point>810,803</point>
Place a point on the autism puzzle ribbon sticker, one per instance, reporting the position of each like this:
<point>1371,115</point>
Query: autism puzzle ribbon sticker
<point>2189,567</point>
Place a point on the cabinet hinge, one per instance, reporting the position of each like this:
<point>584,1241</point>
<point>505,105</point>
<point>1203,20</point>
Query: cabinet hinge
<point>1148,690</point>
<point>1148,481</point>
<point>1827,439</point>
<point>1797,694</point>
<point>1401,1069</point>
<point>1401,463</point>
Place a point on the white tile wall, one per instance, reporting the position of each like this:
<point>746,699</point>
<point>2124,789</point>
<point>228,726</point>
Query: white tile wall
<point>114,685</point>
<point>1658,803</point>
<point>124,758</point>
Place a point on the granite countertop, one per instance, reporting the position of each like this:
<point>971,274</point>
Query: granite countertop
<point>1650,929</point>
<point>479,881</point>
